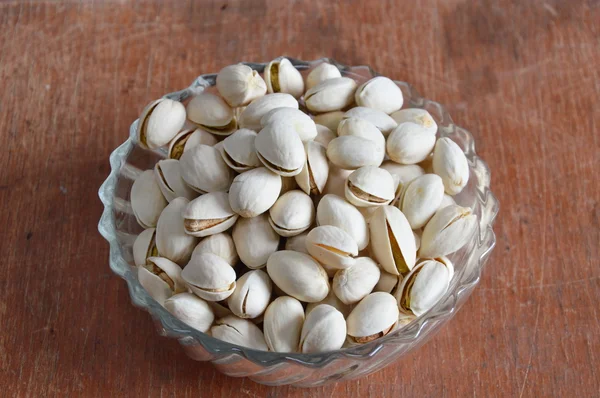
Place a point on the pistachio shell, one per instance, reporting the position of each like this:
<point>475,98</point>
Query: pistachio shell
<point>292,213</point>
<point>255,240</point>
<point>380,93</point>
<point>209,277</point>
<point>209,214</point>
<point>351,152</point>
<point>321,73</point>
<point>334,210</point>
<point>374,317</point>
<point>204,170</point>
<point>219,309</point>
<point>220,244</point>
<point>330,95</point>
<point>380,119</point>
<point>282,77</point>
<point>239,85</point>
<point>369,186</point>
<point>254,192</point>
<point>446,261</point>
<point>417,239</point>
<point>171,240</point>
<point>324,135</point>
<point>212,113</point>
<point>252,294</point>
<point>288,184</point>
<point>402,174</point>
<point>409,143</point>
<point>144,246</point>
<point>418,116</point>
<point>423,287</point>
<point>362,128</point>
<point>283,322</point>
<point>295,119</point>
<point>354,283</point>
<point>450,163</point>
<point>160,121</point>
<point>324,329</point>
<point>238,151</point>
<point>331,120</point>
<point>387,282</point>
<point>421,199</point>
<point>298,275</point>
<point>313,176</point>
<point>448,230</point>
<point>332,246</point>
<point>191,310</point>
<point>251,116</point>
<point>297,243</point>
<point>157,288</point>
<point>333,301</point>
<point>239,331</point>
<point>336,181</point>
<point>168,176</point>
<point>188,139</point>
<point>447,200</point>
<point>280,149</point>
<point>147,201</point>
<point>162,279</point>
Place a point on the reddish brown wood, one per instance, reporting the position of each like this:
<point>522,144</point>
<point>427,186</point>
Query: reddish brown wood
<point>521,75</point>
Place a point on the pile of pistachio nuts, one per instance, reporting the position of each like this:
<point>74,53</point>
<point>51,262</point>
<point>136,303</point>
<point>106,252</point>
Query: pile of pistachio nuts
<point>297,215</point>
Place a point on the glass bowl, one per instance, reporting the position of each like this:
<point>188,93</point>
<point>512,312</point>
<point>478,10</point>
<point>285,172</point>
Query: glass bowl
<point>119,227</point>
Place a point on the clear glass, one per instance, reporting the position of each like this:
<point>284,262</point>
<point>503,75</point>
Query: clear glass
<point>119,228</point>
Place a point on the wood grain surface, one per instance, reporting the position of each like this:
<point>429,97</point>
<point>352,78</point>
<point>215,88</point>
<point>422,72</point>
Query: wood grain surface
<point>523,76</point>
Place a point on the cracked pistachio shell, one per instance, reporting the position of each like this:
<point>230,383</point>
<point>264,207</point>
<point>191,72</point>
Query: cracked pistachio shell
<point>252,294</point>
<point>238,151</point>
<point>423,287</point>
<point>168,176</point>
<point>324,135</point>
<point>204,170</point>
<point>362,128</point>
<point>380,119</point>
<point>209,277</point>
<point>352,152</point>
<point>161,278</point>
<point>144,246</point>
<point>324,329</point>
<point>392,240</point>
<point>298,275</point>
<point>239,331</point>
<point>448,230</point>
<point>418,116</point>
<point>295,119</point>
<point>330,95</point>
<point>402,173</point>
<point>191,310</point>
<point>372,318</point>
<point>220,244</point>
<point>320,73</point>
<point>331,120</point>
<point>336,181</point>
<point>254,192</point>
<point>313,176</point>
<point>280,149</point>
<point>160,121</point>
<point>409,143</point>
<point>209,214</point>
<point>239,85</point>
<point>380,93</point>
<point>421,199</point>
<point>332,246</point>
<point>354,283</point>
<point>292,213</point>
<point>171,240</point>
<point>450,163</point>
<point>212,113</point>
<point>336,211</point>
<point>282,325</point>
<point>251,116</point>
<point>387,282</point>
<point>255,240</point>
<point>297,243</point>
<point>147,201</point>
<point>333,301</point>
<point>369,186</point>
<point>282,77</point>
<point>187,139</point>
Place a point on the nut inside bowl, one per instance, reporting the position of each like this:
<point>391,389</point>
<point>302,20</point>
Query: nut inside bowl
<point>119,227</point>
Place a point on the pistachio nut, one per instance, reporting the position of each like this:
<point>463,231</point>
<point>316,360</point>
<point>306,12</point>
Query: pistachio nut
<point>423,287</point>
<point>297,243</point>
<point>144,246</point>
<point>336,181</point>
<point>168,176</point>
<point>324,329</point>
<point>171,240</point>
<point>387,282</point>
<point>191,310</point>
<point>448,230</point>
<point>409,143</point>
<point>187,139</point>
<point>333,301</point>
<point>298,275</point>
<point>418,116</point>
<point>147,201</point>
<point>450,163</point>
<point>447,200</point>
<point>252,294</point>
<point>421,199</point>
<point>239,331</point>
<point>239,85</point>
<point>352,152</point>
<point>292,213</point>
<point>321,73</point>
<point>331,120</point>
<point>379,119</point>
<point>220,244</point>
<point>209,214</point>
<point>373,317</point>
<point>210,277</point>
<point>380,93</point>
<point>330,95</point>
<point>332,246</point>
<point>334,210</point>
<point>212,113</point>
<point>324,135</point>
<point>392,240</point>
<point>282,77</point>
<point>161,278</point>
<point>282,324</point>
<point>288,184</point>
<point>254,192</point>
<point>204,170</point>
<point>313,176</point>
<point>369,186</point>
<point>295,120</point>
<point>354,283</point>
<point>403,174</point>
<point>255,240</point>
<point>251,116</point>
<point>280,150</point>
<point>160,121</point>
<point>238,151</point>
<point>365,129</point>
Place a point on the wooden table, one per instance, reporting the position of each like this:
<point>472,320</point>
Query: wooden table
<point>523,76</point>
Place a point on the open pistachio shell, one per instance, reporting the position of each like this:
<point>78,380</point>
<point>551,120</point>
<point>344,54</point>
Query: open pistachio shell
<point>239,331</point>
<point>209,214</point>
<point>147,201</point>
<point>252,294</point>
<point>313,177</point>
<point>409,143</point>
<point>450,163</point>
<point>324,329</point>
<point>292,213</point>
<point>191,310</point>
<point>238,151</point>
<point>282,77</point>
<point>160,121</point>
<point>282,324</point>
<point>144,246</point>
<point>203,169</point>
<point>369,186</point>
<point>209,277</point>
<point>321,73</point>
<point>336,211</point>
<point>380,119</point>
<point>254,192</point>
<point>332,246</point>
<point>421,198</point>
<point>188,139</point>
<point>354,283</point>
<point>161,278</point>
<point>171,240</point>
<point>280,149</point>
<point>170,182</point>
<point>422,288</point>
<point>212,113</point>
<point>448,230</point>
<point>251,116</point>
<point>418,116</point>
<point>239,85</point>
<point>373,317</point>
<point>380,93</point>
<point>255,240</point>
<point>330,95</point>
<point>220,244</point>
<point>296,120</point>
